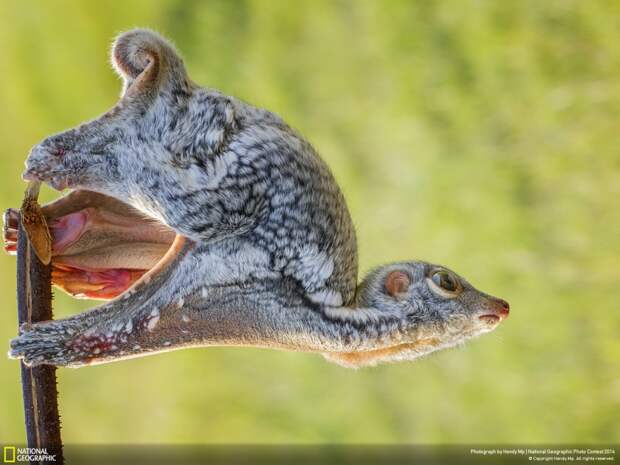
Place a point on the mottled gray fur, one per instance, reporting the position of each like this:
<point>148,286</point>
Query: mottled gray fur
<point>271,258</point>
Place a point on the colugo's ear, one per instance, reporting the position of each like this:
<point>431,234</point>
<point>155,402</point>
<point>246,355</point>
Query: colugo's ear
<point>145,61</point>
<point>397,283</point>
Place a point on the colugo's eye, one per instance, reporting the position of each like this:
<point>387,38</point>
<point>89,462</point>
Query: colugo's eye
<point>444,283</point>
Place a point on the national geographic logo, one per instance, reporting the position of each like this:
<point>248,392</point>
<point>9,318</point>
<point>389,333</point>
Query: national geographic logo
<point>12,454</point>
<point>8,454</point>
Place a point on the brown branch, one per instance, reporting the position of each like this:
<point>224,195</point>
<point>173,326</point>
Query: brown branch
<point>34,303</point>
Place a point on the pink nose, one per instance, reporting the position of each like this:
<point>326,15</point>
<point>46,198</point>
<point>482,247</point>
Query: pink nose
<point>504,309</point>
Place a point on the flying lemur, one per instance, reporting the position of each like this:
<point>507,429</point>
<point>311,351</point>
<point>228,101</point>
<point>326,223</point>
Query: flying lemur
<point>203,220</point>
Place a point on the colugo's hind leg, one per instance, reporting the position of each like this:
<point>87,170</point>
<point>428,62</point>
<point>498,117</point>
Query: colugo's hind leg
<point>145,319</point>
<point>100,246</point>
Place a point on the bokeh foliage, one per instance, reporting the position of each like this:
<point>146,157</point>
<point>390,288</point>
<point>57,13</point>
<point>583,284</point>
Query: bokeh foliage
<point>478,134</point>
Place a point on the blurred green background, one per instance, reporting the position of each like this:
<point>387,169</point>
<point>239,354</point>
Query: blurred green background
<point>478,134</point>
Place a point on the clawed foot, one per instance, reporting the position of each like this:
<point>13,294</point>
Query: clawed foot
<point>76,342</point>
<point>46,343</point>
<point>11,221</point>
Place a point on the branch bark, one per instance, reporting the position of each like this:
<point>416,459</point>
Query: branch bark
<point>34,303</point>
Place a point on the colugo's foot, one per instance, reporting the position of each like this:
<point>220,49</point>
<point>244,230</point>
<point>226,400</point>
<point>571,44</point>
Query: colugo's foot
<point>44,343</point>
<point>119,329</point>
<point>71,343</point>
<point>75,342</point>
<point>100,246</point>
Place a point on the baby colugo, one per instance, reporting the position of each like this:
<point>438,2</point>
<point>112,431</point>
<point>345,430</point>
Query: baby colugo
<point>206,221</point>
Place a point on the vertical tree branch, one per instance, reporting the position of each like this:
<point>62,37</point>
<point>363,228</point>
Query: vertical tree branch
<point>34,303</point>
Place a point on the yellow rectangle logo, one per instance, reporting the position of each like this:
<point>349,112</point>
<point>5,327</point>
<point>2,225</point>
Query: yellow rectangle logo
<point>8,454</point>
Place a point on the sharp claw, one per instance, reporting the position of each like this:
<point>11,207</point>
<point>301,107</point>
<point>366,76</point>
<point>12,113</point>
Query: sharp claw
<point>11,218</point>
<point>11,249</point>
<point>10,235</point>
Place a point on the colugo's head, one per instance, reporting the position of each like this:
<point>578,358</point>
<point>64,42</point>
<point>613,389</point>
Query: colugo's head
<point>432,307</point>
<point>162,119</point>
<point>432,294</point>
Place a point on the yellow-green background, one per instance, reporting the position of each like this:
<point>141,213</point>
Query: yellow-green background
<point>483,135</point>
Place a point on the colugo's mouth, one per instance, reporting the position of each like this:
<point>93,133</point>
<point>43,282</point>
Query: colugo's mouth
<point>498,310</point>
<point>490,319</point>
<point>100,245</point>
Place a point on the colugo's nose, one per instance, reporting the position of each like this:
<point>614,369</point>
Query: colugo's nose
<point>504,308</point>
